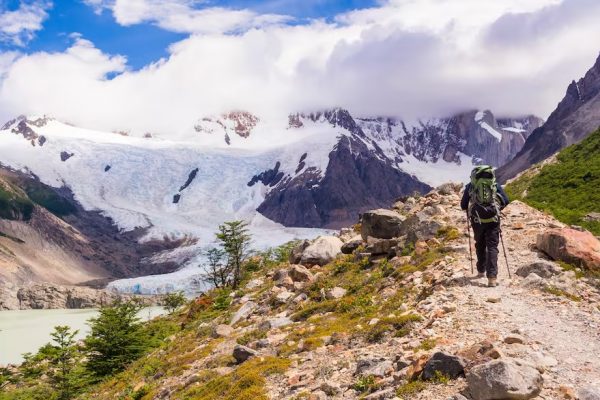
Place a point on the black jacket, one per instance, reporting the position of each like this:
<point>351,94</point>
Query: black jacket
<point>464,203</point>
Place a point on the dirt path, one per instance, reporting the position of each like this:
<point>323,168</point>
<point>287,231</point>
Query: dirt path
<point>561,335</point>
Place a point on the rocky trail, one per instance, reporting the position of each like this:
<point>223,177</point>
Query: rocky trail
<point>559,335</point>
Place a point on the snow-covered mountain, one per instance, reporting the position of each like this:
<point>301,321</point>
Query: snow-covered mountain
<point>311,170</point>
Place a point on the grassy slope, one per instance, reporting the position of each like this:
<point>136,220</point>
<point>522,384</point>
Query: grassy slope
<point>568,189</point>
<point>185,341</point>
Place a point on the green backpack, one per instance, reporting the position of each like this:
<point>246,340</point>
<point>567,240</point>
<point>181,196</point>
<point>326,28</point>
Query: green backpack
<point>483,204</point>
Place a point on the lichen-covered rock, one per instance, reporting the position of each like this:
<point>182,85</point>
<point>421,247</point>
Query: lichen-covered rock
<point>504,379</point>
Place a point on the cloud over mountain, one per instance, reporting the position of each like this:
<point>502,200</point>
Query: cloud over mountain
<point>406,58</point>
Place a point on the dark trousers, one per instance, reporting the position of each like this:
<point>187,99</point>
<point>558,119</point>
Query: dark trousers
<point>487,237</point>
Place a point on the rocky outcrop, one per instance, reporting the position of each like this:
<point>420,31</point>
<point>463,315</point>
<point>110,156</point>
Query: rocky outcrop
<point>579,248</point>
<point>576,116</point>
<point>504,379</point>
<point>322,251</point>
<point>45,296</point>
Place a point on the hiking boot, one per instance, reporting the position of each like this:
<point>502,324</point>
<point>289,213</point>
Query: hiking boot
<point>492,282</point>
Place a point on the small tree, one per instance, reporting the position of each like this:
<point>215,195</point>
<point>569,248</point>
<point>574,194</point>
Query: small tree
<point>64,360</point>
<point>218,272</point>
<point>235,241</point>
<point>115,340</point>
<point>172,301</point>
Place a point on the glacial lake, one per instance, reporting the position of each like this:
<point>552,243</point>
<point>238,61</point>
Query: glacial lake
<point>23,331</point>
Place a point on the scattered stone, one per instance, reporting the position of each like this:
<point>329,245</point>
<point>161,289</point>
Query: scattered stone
<point>415,369</point>
<point>567,392</point>
<point>504,379</point>
<point>379,368</point>
<point>243,353</point>
<point>443,364</point>
<point>330,388</point>
<point>514,338</point>
<point>254,283</point>
<point>300,273</point>
<point>322,251</point>
<point>448,308</point>
<point>335,293</point>
<point>571,246</point>
<point>381,224</point>
<point>543,269</point>
<point>592,217</point>
<point>383,246</point>
<point>458,396</point>
<point>243,312</point>
<point>449,188</point>
<point>275,323</point>
<point>534,280</point>
<point>222,331</point>
<point>283,297</point>
<point>494,299</point>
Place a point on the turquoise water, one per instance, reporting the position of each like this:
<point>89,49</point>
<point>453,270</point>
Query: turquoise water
<point>23,331</point>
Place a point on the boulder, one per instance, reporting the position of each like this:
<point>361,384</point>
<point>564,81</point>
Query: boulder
<point>275,323</point>
<point>381,224</point>
<point>335,293</point>
<point>243,312</point>
<point>589,393</point>
<point>504,379</point>
<point>219,331</point>
<point>377,367</point>
<point>243,353</point>
<point>420,226</point>
<point>296,253</point>
<point>444,364</point>
<point>579,248</point>
<point>283,297</point>
<point>254,283</point>
<point>300,273</point>
<point>544,269</point>
<point>383,246</point>
<point>322,251</point>
<point>351,245</point>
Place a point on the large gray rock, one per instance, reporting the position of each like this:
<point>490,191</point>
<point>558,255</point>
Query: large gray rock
<point>377,367</point>
<point>300,273</point>
<point>243,353</point>
<point>381,224</point>
<point>296,253</point>
<point>352,244</point>
<point>504,379</point>
<point>243,312</point>
<point>420,226</point>
<point>544,269</point>
<point>445,365</point>
<point>322,251</point>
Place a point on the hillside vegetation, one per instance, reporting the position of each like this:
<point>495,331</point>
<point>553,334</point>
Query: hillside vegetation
<point>569,188</point>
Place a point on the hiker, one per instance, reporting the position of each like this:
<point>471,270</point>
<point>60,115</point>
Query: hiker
<point>484,198</point>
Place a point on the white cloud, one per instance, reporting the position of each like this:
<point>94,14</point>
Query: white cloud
<point>406,58</point>
<point>19,26</point>
<point>184,15</point>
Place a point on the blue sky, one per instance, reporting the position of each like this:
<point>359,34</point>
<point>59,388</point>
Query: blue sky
<point>144,43</point>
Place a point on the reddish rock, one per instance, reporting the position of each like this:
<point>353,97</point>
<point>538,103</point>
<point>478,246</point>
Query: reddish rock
<point>580,248</point>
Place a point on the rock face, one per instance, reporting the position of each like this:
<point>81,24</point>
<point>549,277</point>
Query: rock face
<point>504,379</point>
<point>49,296</point>
<point>577,115</point>
<point>580,248</point>
<point>381,224</point>
<point>322,251</point>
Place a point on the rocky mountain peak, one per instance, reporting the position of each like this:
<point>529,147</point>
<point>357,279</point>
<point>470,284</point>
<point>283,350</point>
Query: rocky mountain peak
<point>242,123</point>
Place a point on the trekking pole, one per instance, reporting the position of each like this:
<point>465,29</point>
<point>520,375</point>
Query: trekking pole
<point>469,232</point>
<point>503,248</point>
